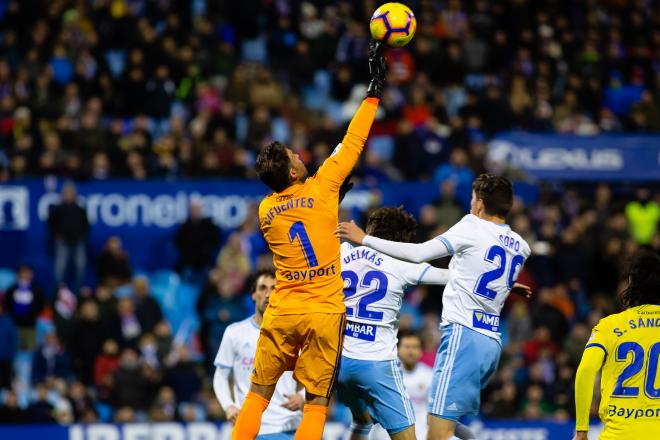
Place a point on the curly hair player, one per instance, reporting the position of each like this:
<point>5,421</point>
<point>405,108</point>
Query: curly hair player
<point>487,258</point>
<point>303,327</point>
<point>626,346</point>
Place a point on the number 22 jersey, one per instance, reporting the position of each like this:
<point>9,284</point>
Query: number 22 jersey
<point>299,224</point>
<point>486,260</point>
<point>374,286</point>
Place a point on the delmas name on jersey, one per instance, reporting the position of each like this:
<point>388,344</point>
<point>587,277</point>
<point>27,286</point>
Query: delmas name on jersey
<point>363,254</point>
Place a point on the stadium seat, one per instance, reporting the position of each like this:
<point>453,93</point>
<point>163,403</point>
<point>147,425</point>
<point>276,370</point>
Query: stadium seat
<point>7,278</point>
<point>162,282</point>
<point>179,310</point>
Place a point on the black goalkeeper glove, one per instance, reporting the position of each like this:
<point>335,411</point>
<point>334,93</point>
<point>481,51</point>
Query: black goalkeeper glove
<point>377,69</point>
<point>345,187</point>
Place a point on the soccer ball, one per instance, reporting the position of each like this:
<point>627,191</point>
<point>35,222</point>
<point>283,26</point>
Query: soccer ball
<point>394,24</point>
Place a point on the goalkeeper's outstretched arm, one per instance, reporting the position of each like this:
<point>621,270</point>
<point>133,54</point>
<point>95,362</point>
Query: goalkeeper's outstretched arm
<point>339,165</point>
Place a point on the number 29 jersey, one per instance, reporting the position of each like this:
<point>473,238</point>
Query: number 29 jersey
<point>374,286</point>
<point>486,260</point>
<point>630,379</point>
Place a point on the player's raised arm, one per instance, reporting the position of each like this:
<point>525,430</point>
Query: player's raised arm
<point>338,166</point>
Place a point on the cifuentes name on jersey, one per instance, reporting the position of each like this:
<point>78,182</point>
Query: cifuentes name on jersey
<point>487,259</point>
<point>374,284</point>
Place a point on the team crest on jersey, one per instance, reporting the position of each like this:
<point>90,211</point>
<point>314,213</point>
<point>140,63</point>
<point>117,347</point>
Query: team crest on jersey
<point>486,321</point>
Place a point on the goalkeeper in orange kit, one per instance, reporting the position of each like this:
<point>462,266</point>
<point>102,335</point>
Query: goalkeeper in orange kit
<point>303,327</point>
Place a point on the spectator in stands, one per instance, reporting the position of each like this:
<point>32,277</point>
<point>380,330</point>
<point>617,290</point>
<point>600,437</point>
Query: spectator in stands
<point>8,349</point>
<point>133,385</point>
<point>11,413</point>
<point>81,402</point>
<point>64,308</point>
<point>539,342</point>
<point>233,263</point>
<point>147,308</point>
<point>183,375</point>
<point>113,268</point>
<point>505,402</point>
<point>196,240</point>
<point>125,414</point>
<point>456,170</point>
<point>24,301</point>
<point>218,306</point>
<point>41,410</point>
<point>448,209</point>
<point>643,215</point>
<point>164,339</point>
<point>69,227</point>
<point>129,323</point>
<point>87,336</point>
<point>106,362</point>
<point>164,408</point>
<point>106,303</point>
<point>50,360</point>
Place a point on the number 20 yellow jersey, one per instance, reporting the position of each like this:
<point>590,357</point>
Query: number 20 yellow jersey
<point>299,223</point>
<point>630,378</point>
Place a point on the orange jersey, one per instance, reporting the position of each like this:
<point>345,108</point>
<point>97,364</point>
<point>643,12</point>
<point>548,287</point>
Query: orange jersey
<point>299,223</point>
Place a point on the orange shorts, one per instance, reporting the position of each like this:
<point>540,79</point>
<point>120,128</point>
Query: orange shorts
<point>309,345</point>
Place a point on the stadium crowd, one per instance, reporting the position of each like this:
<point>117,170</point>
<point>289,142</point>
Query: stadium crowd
<point>171,89</point>
<point>141,89</point>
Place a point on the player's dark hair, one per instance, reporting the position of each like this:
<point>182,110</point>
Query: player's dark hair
<point>643,274</point>
<point>408,334</point>
<point>496,192</point>
<point>258,274</point>
<point>393,224</point>
<point>273,165</point>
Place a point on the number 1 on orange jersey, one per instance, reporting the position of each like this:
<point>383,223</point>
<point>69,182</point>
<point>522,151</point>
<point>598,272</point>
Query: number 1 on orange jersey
<point>298,230</point>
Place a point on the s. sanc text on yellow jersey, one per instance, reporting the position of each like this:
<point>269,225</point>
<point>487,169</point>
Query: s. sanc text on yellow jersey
<point>299,223</point>
<point>630,378</point>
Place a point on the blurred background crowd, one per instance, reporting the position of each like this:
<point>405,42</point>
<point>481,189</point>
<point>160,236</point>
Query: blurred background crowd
<point>139,89</point>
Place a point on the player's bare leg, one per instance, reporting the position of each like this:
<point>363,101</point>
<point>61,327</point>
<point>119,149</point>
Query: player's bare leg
<point>361,426</point>
<point>314,415</point>
<point>249,419</point>
<point>406,434</point>
<point>265,391</point>
<point>440,429</point>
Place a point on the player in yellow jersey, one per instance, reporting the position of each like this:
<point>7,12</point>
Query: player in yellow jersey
<point>627,347</point>
<point>303,327</point>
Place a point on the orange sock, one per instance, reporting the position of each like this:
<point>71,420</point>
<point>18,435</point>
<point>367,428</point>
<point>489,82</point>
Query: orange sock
<point>313,421</point>
<point>249,420</point>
